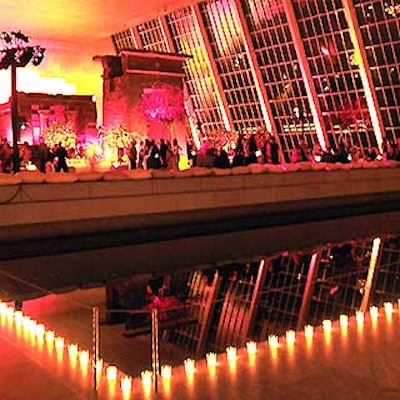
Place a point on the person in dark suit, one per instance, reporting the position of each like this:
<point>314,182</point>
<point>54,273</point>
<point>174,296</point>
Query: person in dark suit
<point>61,155</point>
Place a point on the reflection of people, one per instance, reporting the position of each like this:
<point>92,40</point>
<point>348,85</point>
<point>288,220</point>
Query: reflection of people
<point>61,155</point>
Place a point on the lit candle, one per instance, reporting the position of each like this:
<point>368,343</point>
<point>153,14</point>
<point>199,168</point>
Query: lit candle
<point>189,365</point>
<point>73,350</point>
<point>360,318</point>
<point>309,331</point>
<point>126,385</point>
<point>40,330</point>
<point>344,321</point>
<point>99,365</point>
<point>327,325</point>
<point>290,337</point>
<point>84,358</point>
<point>32,327</point>
<point>251,347</point>
<point>147,377</point>
<point>166,371</point>
<point>273,341</point>
<point>388,309</point>
<point>211,360</point>
<point>231,353</point>
<point>374,312</point>
<point>18,317</point>
<point>112,373</point>
<point>49,336</point>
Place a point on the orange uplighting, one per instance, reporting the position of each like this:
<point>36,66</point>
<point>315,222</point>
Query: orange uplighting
<point>49,337</point>
<point>273,341</point>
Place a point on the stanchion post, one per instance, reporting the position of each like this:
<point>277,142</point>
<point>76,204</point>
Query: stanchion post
<point>95,343</point>
<point>155,351</point>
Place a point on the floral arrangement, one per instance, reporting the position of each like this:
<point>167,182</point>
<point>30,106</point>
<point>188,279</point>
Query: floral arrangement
<point>163,102</point>
<point>60,133</point>
<point>222,138</point>
<point>120,137</point>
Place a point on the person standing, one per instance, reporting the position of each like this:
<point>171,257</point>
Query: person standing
<point>61,155</point>
<point>132,154</point>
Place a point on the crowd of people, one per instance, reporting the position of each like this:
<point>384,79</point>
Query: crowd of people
<point>42,157</point>
<point>161,153</point>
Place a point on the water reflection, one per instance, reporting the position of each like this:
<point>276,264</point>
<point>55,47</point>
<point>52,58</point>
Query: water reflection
<point>236,302</point>
<point>209,309</point>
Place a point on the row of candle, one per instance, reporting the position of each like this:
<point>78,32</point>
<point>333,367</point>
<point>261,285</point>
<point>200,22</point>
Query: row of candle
<point>39,331</point>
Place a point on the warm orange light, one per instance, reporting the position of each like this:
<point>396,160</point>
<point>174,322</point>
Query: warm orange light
<point>84,359</point>
<point>40,331</point>
<point>273,341</point>
<point>18,317</point>
<point>73,350</point>
<point>327,325</point>
<point>126,384</point>
<point>388,309</point>
<point>211,360</point>
<point>49,336</point>
<point>360,319</point>
<point>374,312</point>
<point>309,331</point>
<point>290,337</point>
<point>251,347</point>
<point>189,365</point>
<point>166,371</point>
<point>231,353</point>
<point>344,321</point>
<point>147,377</point>
<point>112,373</point>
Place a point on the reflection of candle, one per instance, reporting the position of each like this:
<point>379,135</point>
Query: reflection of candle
<point>251,347</point>
<point>290,337</point>
<point>189,365</point>
<point>273,341</point>
<point>309,331</point>
<point>112,373</point>
<point>231,353</point>
<point>211,360</point>
<point>166,371</point>
<point>388,309</point>
<point>327,325</point>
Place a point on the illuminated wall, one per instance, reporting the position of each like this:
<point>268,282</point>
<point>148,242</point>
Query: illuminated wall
<point>223,83</point>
